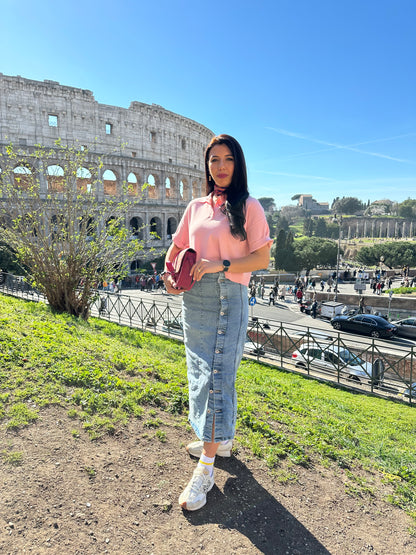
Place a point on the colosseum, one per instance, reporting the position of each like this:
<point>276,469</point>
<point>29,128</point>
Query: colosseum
<point>140,144</point>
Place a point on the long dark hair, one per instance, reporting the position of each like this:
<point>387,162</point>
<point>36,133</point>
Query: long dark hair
<point>237,191</point>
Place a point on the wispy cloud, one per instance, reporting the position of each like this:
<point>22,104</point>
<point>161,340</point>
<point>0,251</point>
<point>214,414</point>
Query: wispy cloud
<point>296,175</point>
<point>336,146</point>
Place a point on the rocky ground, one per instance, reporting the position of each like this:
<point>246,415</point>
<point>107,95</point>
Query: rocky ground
<point>119,495</point>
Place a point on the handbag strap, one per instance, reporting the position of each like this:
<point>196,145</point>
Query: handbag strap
<point>170,267</point>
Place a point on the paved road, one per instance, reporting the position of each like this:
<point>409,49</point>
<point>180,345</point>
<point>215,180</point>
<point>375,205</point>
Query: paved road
<point>284,311</point>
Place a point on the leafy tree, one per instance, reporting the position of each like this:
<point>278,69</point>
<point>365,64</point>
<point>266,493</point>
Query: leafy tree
<point>284,251</point>
<point>312,251</point>
<point>65,237</point>
<point>407,208</point>
<point>268,203</point>
<point>321,229</point>
<point>308,226</point>
<point>347,205</point>
<point>8,261</point>
<point>282,223</point>
<point>396,255</point>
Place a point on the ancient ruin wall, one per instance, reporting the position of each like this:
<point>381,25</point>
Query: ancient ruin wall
<point>144,142</point>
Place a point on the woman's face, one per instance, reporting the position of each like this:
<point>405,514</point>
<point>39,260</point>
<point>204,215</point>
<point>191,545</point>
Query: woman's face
<point>221,165</point>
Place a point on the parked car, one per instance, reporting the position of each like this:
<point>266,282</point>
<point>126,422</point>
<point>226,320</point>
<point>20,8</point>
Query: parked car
<point>412,393</point>
<point>331,358</point>
<point>366,324</point>
<point>406,327</point>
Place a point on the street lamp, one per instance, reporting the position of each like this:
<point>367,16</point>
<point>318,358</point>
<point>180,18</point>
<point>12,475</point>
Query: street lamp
<point>339,222</point>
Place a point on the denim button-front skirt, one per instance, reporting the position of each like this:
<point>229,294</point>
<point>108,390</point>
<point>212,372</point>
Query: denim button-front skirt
<point>215,318</point>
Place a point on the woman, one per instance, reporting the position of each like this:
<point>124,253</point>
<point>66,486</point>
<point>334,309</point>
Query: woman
<point>229,232</point>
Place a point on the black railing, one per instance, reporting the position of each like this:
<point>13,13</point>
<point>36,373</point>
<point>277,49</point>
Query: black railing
<point>368,365</point>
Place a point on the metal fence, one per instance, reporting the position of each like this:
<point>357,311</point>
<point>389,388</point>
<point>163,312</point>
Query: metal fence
<point>367,365</point>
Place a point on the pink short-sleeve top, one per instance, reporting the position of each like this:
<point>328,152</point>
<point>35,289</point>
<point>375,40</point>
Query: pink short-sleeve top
<point>205,228</point>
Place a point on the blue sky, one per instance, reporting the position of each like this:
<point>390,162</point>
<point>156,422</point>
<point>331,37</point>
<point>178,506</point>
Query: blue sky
<point>321,94</point>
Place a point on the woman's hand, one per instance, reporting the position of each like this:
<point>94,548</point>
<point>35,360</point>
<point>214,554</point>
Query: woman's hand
<point>203,266</point>
<point>168,281</point>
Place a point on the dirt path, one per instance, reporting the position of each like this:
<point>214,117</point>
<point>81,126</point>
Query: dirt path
<point>119,496</point>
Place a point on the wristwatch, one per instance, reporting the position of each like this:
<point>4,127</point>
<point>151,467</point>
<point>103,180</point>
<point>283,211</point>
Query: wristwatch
<point>225,265</point>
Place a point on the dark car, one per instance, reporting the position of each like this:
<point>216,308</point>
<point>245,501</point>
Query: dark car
<point>366,324</point>
<point>406,328</point>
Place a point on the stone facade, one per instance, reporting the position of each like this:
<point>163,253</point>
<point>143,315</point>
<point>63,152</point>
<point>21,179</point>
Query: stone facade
<point>140,144</point>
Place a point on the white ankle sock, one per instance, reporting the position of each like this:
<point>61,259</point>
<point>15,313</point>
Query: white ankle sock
<point>207,463</point>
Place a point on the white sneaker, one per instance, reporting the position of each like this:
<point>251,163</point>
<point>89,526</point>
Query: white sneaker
<point>194,496</point>
<point>224,449</point>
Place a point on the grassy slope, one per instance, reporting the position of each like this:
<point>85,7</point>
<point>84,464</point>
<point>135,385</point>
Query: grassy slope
<point>104,374</point>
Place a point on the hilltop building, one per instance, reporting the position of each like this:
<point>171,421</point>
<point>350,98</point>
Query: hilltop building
<point>307,202</point>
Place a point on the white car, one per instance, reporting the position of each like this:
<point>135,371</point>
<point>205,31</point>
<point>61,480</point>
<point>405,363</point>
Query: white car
<point>331,358</point>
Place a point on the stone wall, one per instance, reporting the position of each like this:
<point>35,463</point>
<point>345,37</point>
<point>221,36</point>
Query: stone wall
<point>141,144</point>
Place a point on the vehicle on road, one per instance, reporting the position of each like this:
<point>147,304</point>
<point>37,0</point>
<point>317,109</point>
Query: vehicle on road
<point>365,324</point>
<point>306,307</point>
<point>332,358</point>
<point>331,309</point>
<point>406,328</point>
<point>410,392</point>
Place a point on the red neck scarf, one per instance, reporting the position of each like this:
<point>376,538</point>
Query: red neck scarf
<point>220,192</point>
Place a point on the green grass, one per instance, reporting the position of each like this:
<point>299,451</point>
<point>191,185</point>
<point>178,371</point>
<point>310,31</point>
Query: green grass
<point>402,290</point>
<point>104,375</point>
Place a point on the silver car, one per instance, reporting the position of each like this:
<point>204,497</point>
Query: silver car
<point>331,358</point>
<point>406,328</point>
<point>410,392</point>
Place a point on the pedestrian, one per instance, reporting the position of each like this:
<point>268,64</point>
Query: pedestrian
<point>314,308</point>
<point>229,232</point>
<point>272,297</point>
<point>322,284</point>
<point>361,306</point>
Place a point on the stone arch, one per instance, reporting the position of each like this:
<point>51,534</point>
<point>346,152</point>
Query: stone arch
<point>183,189</point>
<point>152,186</point>
<point>112,222</point>
<point>136,265</point>
<point>23,175</point>
<point>171,227</point>
<point>133,184</point>
<point>136,226</point>
<point>29,224</point>
<point>110,182</point>
<point>87,226</point>
<point>59,227</point>
<point>156,228</point>
<point>55,177</point>
<point>170,187</point>
<point>84,179</point>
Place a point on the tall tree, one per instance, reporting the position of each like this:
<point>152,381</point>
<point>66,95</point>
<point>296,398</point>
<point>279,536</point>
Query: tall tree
<point>308,226</point>
<point>268,203</point>
<point>321,228</point>
<point>284,251</point>
<point>347,205</point>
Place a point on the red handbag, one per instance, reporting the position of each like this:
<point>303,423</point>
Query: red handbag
<point>180,268</point>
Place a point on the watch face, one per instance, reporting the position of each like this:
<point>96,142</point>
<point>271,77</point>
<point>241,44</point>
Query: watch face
<point>226,263</point>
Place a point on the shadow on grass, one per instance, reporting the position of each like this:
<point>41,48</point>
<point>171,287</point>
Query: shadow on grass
<point>250,509</point>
